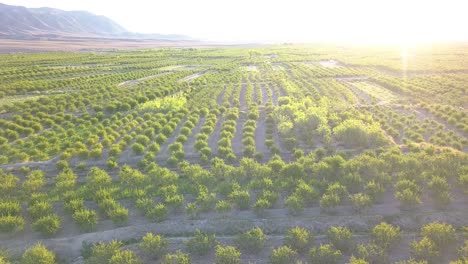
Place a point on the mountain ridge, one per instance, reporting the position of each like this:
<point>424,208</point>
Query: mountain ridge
<point>18,22</point>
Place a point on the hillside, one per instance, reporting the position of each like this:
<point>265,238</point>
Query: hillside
<point>19,22</point>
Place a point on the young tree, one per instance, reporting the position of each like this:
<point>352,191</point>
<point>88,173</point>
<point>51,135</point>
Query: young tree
<point>294,204</point>
<point>47,225</point>
<point>227,255</point>
<point>425,249</point>
<point>154,245</point>
<point>177,258</point>
<point>340,237</point>
<point>86,219</point>
<point>325,254</point>
<point>283,255</point>
<point>38,254</point>
<point>385,235</point>
<point>360,202</point>
<point>299,239</point>
<point>441,234</point>
<point>241,198</point>
<point>124,257</point>
<point>201,243</point>
<point>252,240</point>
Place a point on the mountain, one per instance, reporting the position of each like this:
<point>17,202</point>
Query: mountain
<point>19,22</point>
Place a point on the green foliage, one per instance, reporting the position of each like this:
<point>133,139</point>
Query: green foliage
<point>164,105</point>
<point>408,193</point>
<point>425,249</point>
<point>223,207</point>
<point>360,202</point>
<point>138,148</point>
<point>177,258</point>
<point>251,241</point>
<point>11,224</point>
<point>154,245</point>
<point>38,254</point>
<point>40,209</point>
<point>86,219</point>
<point>340,237</point>
<point>299,239</point>
<point>158,213</point>
<point>227,255</point>
<point>355,133</point>
<point>294,204</point>
<point>103,252</point>
<point>10,208</point>
<point>441,234</point>
<point>385,235</point>
<point>325,254</point>
<point>118,215</point>
<point>47,225</point>
<point>241,199</point>
<point>201,243</point>
<point>124,257</point>
<point>372,253</point>
<point>283,255</point>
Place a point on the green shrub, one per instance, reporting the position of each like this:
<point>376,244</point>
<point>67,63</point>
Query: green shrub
<point>223,207</point>
<point>283,255</point>
<point>425,249</point>
<point>294,204</point>
<point>10,208</point>
<point>124,257</point>
<point>158,213</point>
<point>385,235</point>
<point>441,234</point>
<point>38,254</point>
<point>227,255</point>
<point>86,219</point>
<point>177,258</point>
<point>372,253</point>
<point>10,224</point>
<point>260,206</point>
<point>142,139</point>
<point>299,239</point>
<point>325,254</point>
<point>329,201</point>
<point>103,252</point>
<point>47,225</point>
<point>138,148</point>
<point>360,202</point>
<point>241,199</point>
<point>154,245</point>
<point>118,215</point>
<point>252,240</point>
<point>201,243</point>
<point>40,209</point>
<point>340,237</point>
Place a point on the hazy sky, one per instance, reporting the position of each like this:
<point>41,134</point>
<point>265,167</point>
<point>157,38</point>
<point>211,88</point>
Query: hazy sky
<point>283,20</point>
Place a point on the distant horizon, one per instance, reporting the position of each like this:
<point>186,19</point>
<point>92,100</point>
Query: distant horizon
<point>295,21</point>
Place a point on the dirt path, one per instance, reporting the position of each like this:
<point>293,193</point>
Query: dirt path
<point>264,94</point>
<point>194,76</point>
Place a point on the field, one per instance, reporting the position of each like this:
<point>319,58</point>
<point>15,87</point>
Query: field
<point>275,154</point>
